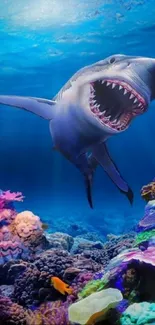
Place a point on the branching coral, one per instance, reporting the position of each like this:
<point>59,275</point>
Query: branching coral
<point>12,196</point>
<point>7,211</point>
<point>28,227</point>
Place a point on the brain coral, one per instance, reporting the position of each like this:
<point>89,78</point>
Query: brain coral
<point>28,227</point>
<point>10,246</point>
<point>139,314</point>
<point>10,250</point>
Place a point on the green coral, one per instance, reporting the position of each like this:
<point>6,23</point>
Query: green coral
<point>144,236</point>
<point>139,314</point>
<point>92,286</point>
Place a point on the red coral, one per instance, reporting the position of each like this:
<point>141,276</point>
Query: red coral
<point>14,196</point>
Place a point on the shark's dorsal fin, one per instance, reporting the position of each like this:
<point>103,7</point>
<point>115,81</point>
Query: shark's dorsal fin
<point>100,155</point>
<point>39,106</point>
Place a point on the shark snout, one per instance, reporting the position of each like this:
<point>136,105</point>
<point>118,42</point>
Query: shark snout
<point>143,76</point>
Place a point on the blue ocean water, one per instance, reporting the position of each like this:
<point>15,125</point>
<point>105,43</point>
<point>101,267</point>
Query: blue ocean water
<point>43,43</point>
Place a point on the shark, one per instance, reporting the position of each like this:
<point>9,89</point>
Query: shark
<point>99,101</point>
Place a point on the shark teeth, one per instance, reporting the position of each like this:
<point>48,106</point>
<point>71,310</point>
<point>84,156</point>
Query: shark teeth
<point>136,104</point>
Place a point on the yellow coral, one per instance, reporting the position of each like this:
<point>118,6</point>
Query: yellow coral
<point>33,318</point>
<point>93,308</point>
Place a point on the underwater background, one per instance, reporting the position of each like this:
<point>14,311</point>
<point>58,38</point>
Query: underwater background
<point>42,44</point>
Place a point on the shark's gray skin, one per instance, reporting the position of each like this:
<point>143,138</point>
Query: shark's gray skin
<point>99,101</point>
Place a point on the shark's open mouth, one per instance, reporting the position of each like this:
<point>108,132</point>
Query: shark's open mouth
<point>115,103</point>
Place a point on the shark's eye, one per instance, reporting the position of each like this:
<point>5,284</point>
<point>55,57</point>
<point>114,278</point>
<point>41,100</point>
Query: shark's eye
<point>112,60</point>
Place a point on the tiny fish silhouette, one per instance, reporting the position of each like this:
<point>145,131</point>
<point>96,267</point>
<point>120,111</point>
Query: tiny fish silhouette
<point>61,286</point>
<point>45,226</point>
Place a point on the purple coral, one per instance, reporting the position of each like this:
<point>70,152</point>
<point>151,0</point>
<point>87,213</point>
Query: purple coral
<point>111,248</point>
<point>55,262</point>
<point>32,287</point>
<point>148,221</point>
<point>148,256</point>
<point>11,313</point>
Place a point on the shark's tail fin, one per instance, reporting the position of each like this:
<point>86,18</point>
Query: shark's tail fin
<point>39,106</point>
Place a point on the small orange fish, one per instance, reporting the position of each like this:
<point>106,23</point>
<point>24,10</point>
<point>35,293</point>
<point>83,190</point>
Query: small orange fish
<point>61,286</point>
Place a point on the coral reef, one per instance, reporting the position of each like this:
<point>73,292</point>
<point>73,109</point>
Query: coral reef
<point>28,228</point>
<point>103,253</point>
<point>50,313</point>
<point>56,262</point>
<point>11,313</point>
<point>19,233</point>
<point>148,221</point>
<point>144,236</point>
<point>32,287</point>
<point>94,307</point>
<point>45,276</point>
<point>139,314</point>
<point>148,191</point>
<point>60,241</point>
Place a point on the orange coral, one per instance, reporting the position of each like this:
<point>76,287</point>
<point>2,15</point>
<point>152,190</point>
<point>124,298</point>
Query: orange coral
<point>28,227</point>
<point>49,313</point>
<point>33,318</point>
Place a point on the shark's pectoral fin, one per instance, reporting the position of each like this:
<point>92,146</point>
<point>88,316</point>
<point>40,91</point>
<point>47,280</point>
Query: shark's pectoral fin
<point>39,106</point>
<point>100,154</point>
<point>88,184</point>
<point>82,163</point>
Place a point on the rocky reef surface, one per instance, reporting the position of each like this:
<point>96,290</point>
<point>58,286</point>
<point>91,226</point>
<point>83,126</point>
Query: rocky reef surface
<point>58,279</point>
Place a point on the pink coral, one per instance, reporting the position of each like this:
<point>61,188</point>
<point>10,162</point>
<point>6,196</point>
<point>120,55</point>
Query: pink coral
<point>9,250</point>
<point>147,256</point>
<point>7,215</point>
<point>28,227</point>
<point>14,196</point>
<point>7,211</point>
